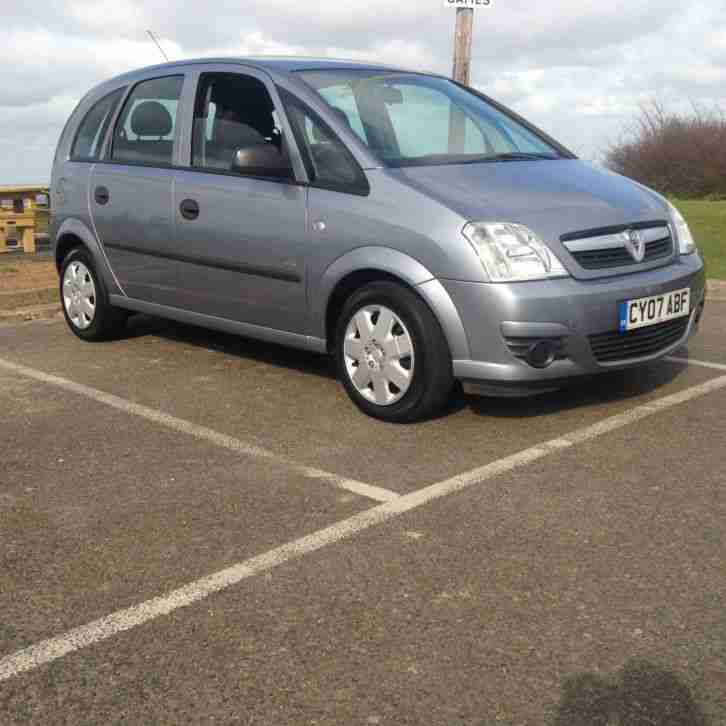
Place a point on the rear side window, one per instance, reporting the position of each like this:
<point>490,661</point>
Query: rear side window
<point>145,130</point>
<point>92,131</point>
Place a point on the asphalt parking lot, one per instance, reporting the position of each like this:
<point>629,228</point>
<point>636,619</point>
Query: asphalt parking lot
<point>197,528</point>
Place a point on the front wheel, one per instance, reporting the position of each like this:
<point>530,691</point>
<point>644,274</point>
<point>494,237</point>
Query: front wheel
<point>392,355</point>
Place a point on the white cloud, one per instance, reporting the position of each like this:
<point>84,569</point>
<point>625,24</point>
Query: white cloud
<point>115,15</point>
<point>578,68</point>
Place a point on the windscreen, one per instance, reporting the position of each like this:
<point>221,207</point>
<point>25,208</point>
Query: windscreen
<point>407,119</point>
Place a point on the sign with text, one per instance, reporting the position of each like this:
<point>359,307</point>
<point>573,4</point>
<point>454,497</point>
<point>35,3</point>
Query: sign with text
<point>468,3</point>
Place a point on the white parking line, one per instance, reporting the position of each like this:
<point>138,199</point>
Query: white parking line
<point>106,627</point>
<point>693,362</point>
<point>203,433</point>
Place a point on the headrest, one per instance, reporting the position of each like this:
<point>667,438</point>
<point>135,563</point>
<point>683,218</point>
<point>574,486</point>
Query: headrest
<point>151,118</point>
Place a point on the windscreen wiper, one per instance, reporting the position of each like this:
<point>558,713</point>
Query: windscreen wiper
<point>520,156</point>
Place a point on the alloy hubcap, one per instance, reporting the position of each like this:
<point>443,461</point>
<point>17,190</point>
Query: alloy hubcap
<point>379,355</point>
<point>79,295</point>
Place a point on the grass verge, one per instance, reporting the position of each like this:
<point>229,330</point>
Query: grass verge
<point>707,221</point>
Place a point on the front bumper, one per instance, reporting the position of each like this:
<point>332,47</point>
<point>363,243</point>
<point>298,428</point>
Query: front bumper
<point>566,308</point>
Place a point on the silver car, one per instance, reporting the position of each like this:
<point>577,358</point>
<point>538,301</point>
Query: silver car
<point>415,229</point>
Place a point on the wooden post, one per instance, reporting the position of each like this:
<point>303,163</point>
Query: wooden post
<point>462,45</point>
<point>462,72</point>
<point>29,239</point>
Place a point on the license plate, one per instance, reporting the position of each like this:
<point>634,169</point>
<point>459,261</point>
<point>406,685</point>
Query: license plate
<point>645,311</point>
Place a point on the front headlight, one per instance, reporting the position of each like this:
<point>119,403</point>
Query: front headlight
<point>686,245</point>
<point>512,252</point>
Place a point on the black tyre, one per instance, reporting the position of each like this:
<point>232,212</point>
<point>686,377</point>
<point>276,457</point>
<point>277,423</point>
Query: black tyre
<point>392,355</point>
<point>84,299</point>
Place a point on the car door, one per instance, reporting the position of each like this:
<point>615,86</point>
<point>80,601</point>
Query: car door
<point>240,229</point>
<point>131,192</point>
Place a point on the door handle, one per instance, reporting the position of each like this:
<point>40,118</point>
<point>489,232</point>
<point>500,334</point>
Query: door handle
<point>101,195</point>
<point>189,209</point>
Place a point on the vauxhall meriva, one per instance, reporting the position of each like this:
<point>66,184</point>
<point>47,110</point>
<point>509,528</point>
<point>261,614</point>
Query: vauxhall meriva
<point>415,229</point>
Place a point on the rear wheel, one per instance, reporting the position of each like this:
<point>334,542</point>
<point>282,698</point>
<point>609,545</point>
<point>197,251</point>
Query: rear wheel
<point>392,355</point>
<point>85,299</point>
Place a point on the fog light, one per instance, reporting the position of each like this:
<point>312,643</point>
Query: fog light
<point>541,354</point>
<point>699,312</point>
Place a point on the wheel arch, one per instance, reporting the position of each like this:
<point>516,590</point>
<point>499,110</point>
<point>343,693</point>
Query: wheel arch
<point>73,233</point>
<point>368,264</point>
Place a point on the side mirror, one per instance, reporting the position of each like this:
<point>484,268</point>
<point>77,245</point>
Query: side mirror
<point>262,160</point>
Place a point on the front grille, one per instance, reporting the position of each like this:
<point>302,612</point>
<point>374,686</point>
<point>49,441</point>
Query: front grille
<point>617,346</point>
<point>602,259</point>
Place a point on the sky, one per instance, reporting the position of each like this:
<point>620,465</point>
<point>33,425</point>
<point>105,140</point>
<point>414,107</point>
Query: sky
<point>579,69</point>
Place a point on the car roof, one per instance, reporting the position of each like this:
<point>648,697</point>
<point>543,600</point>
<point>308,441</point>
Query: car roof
<point>279,64</point>
<point>288,64</point>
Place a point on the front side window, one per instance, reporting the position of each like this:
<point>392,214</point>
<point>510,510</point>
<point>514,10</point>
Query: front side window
<point>409,119</point>
<point>329,163</point>
<point>145,129</point>
<point>91,132</point>
<point>237,128</point>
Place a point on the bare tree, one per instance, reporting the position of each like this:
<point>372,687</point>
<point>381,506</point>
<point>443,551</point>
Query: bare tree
<point>681,155</point>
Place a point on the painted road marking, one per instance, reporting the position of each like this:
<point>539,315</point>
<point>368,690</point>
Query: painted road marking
<point>122,620</point>
<point>202,433</point>
<point>693,362</point>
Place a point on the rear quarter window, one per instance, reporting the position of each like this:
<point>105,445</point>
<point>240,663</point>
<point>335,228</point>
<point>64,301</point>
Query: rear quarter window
<point>92,129</point>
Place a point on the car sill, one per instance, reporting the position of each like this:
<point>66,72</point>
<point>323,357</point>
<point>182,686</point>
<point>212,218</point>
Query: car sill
<point>258,332</point>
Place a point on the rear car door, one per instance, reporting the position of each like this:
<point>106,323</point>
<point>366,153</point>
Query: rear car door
<point>241,230</point>
<point>131,192</point>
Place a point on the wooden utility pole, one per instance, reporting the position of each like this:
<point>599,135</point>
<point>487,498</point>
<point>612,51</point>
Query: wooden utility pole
<point>461,74</point>
<point>462,45</point>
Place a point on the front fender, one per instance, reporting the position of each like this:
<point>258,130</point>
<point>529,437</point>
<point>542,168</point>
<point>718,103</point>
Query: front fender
<point>77,228</point>
<point>405,268</point>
